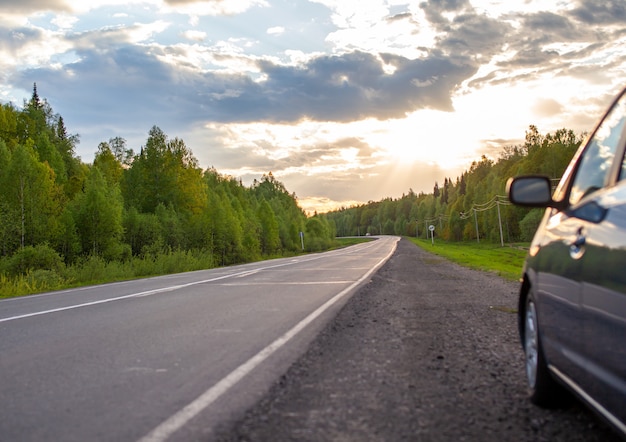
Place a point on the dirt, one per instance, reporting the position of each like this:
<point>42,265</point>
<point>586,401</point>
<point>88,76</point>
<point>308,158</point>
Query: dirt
<point>426,351</point>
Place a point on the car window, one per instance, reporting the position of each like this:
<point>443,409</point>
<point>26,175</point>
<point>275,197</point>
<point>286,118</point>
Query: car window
<point>596,160</point>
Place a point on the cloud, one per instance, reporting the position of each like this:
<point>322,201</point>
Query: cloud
<point>371,183</point>
<point>435,10</point>
<point>134,77</point>
<point>541,45</point>
<point>547,107</point>
<point>13,40</point>
<point>551,26</point>
<point>276,30</point>
<point>196,7</point>
<point>64,22</point>
<point>30,6</point>
<point>600,12</point>
<point>352,86</point>
<point>475,35</point>
<point>212,7</point>
<point>194,35</point>
<point>123,80</point>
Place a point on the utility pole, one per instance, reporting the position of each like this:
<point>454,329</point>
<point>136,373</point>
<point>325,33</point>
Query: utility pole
<point>476,222</point>
<point>500,224</point>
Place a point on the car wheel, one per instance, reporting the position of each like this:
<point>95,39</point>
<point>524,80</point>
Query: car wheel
<point>544,391</point>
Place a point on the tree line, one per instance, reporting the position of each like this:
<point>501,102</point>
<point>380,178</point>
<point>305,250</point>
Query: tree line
<point>452,207</point>
<point>56,210</point>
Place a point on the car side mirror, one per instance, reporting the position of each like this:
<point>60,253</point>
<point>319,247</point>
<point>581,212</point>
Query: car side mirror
<point>530,191</point>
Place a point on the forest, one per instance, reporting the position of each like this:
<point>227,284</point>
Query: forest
<point>472,207</point>
<point>129,214</point>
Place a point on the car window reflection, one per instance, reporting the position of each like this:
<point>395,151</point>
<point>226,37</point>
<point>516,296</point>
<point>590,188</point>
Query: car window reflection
<point>597,159</point>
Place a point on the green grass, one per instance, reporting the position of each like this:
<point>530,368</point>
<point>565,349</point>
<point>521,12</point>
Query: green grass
<point>504,261</point>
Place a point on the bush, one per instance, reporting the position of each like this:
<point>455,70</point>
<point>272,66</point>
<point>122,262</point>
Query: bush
<point>528,225</point>
<point>28,259</point>
<point>91,270</point>
<point>44,280</point>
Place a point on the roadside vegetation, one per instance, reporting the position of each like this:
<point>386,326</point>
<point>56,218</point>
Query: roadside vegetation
<point>55,275</point>
<point>504,261</point>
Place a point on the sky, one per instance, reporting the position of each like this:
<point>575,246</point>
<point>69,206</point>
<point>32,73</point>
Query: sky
<point>344,101</point>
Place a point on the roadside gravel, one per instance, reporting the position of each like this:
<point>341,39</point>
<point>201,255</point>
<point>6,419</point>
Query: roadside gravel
<point>426,351</point>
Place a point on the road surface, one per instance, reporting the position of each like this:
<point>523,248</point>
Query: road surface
<point>166,358</point>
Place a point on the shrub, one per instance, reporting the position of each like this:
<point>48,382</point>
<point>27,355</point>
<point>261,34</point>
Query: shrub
<point>44,280</point>
<point>29,258</point>
<point>528,225</point>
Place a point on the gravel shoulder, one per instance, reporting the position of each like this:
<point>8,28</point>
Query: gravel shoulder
<point>426,351</point>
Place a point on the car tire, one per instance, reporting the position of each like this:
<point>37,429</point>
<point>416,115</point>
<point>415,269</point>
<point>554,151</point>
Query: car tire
<point>544,391</point>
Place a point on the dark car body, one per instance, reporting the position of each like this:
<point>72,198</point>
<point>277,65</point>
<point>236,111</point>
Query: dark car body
<point>572,305</point>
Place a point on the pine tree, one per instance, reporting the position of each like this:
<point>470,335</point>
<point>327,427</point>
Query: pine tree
<point>35,102</point>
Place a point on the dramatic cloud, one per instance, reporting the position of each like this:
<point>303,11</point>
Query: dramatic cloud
<point>346,87</point>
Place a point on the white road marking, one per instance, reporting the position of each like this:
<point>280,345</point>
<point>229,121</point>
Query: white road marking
<point>161,290</point>
<point>140,294</point>
<point>178,420</point>
<point>244,284</point>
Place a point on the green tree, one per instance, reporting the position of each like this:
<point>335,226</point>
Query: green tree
<point>30,198</point>
<point>164,172</point>
<point>108,164</point>
<point>98,214</point>
<point>142,231</point>
<point>270,239</point>
<point>68,242</point>
<point>289,216</point>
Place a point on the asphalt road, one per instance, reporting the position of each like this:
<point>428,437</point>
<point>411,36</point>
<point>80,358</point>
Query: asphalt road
<point>167,358</point>
<point>427,351</point>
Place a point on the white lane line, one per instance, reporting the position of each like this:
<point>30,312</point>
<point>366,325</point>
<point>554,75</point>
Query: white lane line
<point>245,284</point>
<point>156,291</point>
<point>118,298</point>
<point>178,420</point>
<point>140,294</point>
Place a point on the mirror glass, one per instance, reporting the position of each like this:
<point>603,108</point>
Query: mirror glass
<point>531,191</point>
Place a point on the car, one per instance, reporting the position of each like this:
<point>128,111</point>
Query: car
<point>572,300</point>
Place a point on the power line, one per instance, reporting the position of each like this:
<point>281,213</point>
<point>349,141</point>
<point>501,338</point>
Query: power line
<point>495,201</point>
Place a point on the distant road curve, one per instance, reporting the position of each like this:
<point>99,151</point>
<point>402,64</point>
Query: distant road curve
<point>166,358</point>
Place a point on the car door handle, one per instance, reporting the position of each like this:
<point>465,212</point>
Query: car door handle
<point>576,248</point>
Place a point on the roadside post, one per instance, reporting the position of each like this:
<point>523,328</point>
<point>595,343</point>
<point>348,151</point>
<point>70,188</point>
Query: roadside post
<point>302,239</point>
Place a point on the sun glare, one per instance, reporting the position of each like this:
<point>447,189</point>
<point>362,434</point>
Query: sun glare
<point>429,137</point>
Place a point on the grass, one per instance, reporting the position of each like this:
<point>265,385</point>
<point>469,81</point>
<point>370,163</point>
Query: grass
<point>504,261</point>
